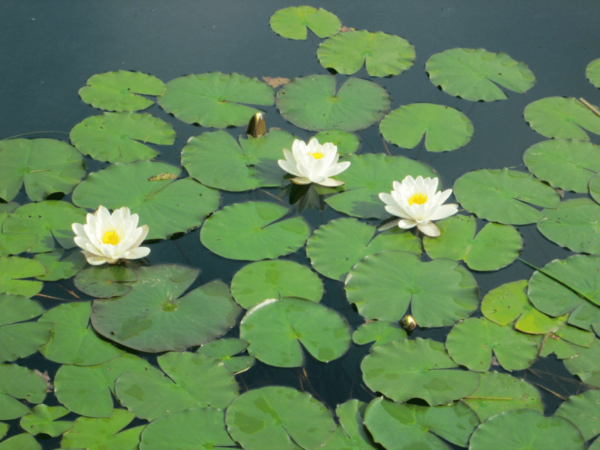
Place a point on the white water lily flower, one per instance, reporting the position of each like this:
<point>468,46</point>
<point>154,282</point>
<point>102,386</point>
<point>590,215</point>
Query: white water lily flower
<point>107,238</point>
<point>313,163</point>
<point>418,204</point>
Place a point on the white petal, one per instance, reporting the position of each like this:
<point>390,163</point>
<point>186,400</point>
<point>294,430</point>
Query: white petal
<point>78,229</point>
<point>387,226</point>
<point>406,223</point>
<point>395,210</point>
<point>336,169</point>
<point>288,166</point>
<point>95,260</point>
<point>429,229</point>
<point>444,211</point>
<point>330,182</point>
<point>301,180</point>
<point>137,253</point>
<point>145,229</point>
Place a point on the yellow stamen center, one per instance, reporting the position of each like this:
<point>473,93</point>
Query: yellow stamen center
<point>419,199</point>
<point>111,237</point>
<point>317,155</point>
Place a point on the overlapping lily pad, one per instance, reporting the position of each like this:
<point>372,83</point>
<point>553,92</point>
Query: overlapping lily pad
<point>14,243</point>
<point>367,176</point>
<point>383,54</point>
<point>19,383</point>
<point>43,419</point>
<point>276,417</point>
<point>345,142</point>
<point>12,271</point>
<point>225,349</point>
<point>276,328</point>
<point>562,118</point>
<point>121,137</point>
<point>293,21</point>
<point>504,195</point>
<point>118,91</point>
<point>418,368</point>
<point>22,441</point>
<point>215,99</point>
<point>19,340</point>
<point>494,247</point>
<point>44,166</point>
<point>166,205</point>
<point>380,332</point>
<point>592,72</point>
<point>261,280</point>
<point>105,281</point>
<point>313,103</point>
<point>440,292</point>
<point>474,74</point>
<point>58,266</point>
<point>445,128</point>
<point>351,433</point>
<point>153,318</point>
<point>584,411</point>
<point>337,246</point>
<point>217,160</point>
<point>586,365</point>
<point>398,427</point>
<point>253,231</point>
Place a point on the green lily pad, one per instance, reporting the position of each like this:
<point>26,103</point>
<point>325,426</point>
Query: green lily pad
<point>261,280</point>
<point>368,176</point>
<point>50,220</point>
<point>594,188</point>
<point>17,308</point>
<point>312,103</point>
<point>253,231</point>
<point>592,72</point>
<point>105,281</point>
<point>440,292</point>
<point>565,164</point>
<point>473,74</point>
<point>18,382</point>
<point>501,195</point>
<point>225,349</point>
<point>86,390</point>
<point>73,340</point>
<point>494,247</point>
<point>23,339</point>
<point>153,318</point>
<point>99,434</point>
<point>193,380</point>
<point>525,429</point>
<point>14,243</point>
<point>120,137</point>
<point>383,54</point>
<point>380,332</point>
<point>44,166</point>
<point>573,224</point>
<point>346,143</point>
<point>3,429</point>
<point>418,368</point>
<point>58,266</point>
<point>500,392</point>
<point>43,419</point>
<point>276,328</point>
<point>22,441</point>
<point>216,160</point>
<point>117,91</point>
<point>194,428</point>
<point>398,427</point>
<point>167,206</point>
<point>334,248</point>
<point>562,118</point>
<point>293,21</point>
<point>584,411</point>
<point>351,433</point>
<point>445,128</point>
<point>12,271</point>
<point>586,365</point>
<point>276,417</point>
<point>470,343</point>
<point>214,99</point>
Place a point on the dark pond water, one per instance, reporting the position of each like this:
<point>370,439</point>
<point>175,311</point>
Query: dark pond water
<point>50,48</point>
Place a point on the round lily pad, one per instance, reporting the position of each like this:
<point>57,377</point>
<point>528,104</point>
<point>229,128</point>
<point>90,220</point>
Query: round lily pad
<point>17,308</point>
<point>494,247</point>
<point>525,429</point>
<point>440,292</point>
<point>562,118</point>
<point>225,349</point>
<point>22,441</point>
<point>12,271</point>
<point>19,383</point>
<point>44,166</point>
<point>120,137</point>
<point>594,188</point>
<point>380,332</point>
<point>14,243</point>
<point>276,416</point>
<point>118,91</point>
<point>368,176</point>
<point>58,266</point>
<point>152,318</point>
<point>586,365</point>
<point>105,281</point>
<point>345,142</point>
<point>384,54</point>
<point>573,224</point>
<point>261,280</point>
<point>216,160</point>
<point>337,246</point>
<point>215,99</point>
<point>165,204</point>
<point>445,128</point>
<point>23,339</point>
<point>474,74</point>
<point>43,419</point>
<point>501,195</point>
<point>584,411</point>
<point>351,433</point>
<point>276,328</point>
<point>253,231</point>
<point>592,72</point>
<point>293,21</point>
<point>313,103</point>
<point>565,164</point>
<point>416,368</point>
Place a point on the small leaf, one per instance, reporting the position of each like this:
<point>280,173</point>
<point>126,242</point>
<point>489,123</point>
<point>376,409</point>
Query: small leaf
<point>346,143</point>
<point>42,419</point>
<point>379,332</point>
<point>293,21</point>
<point>592,72</point>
